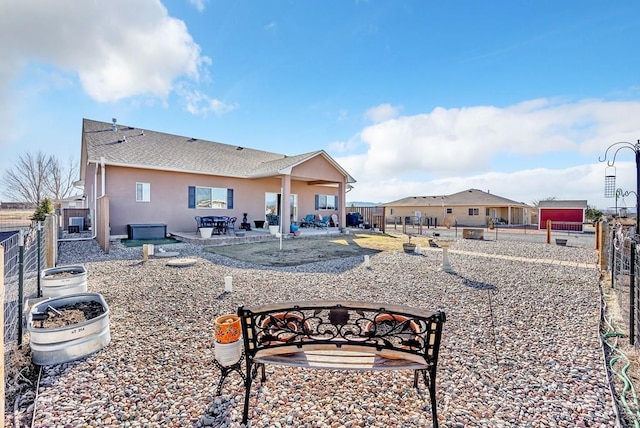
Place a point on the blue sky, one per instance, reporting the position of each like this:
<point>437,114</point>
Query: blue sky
<point>519,98</point>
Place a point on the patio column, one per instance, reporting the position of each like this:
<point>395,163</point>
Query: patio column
<point>342,204</point>
<point>285,217</point>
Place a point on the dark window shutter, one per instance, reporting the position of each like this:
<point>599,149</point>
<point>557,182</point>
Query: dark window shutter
<point>230,199</point>
<point>317,202</point>
<point>192,196</point>
<point>337,202</point>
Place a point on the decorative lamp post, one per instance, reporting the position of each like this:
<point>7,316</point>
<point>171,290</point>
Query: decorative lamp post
<point>610,187</point>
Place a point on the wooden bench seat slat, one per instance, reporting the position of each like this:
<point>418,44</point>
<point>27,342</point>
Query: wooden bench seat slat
<point>345,351</point>
<point>341,360</point>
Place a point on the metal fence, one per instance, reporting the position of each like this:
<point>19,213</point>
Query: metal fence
<point>623,263</point>
<point>24,255</point>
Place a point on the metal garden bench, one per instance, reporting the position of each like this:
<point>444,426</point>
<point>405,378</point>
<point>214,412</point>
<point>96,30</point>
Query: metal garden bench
<point>342,335</point>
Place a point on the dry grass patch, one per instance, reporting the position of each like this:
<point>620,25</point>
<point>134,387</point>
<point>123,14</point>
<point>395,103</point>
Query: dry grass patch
<point>298,251</point>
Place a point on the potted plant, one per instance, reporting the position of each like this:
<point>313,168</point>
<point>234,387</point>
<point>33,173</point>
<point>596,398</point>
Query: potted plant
<point>245,225</point>
<point>274,223</point>
<point>228,345</point>
<point>66,328</point>
<point>409,247</point>
<point>63,280</point>
<point>205,232</point>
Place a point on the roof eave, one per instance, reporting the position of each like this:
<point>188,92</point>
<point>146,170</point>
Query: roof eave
<point>159,168</point>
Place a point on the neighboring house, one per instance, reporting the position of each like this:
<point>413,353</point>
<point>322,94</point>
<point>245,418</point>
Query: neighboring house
<point>470,207</point>
<point>150,177</point>
<point>564,215</point>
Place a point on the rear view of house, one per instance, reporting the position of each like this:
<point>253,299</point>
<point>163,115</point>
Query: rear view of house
<point>139,176</point>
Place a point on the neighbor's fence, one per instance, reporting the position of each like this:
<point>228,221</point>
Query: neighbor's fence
<point>427,225</point>
<point>372,216</point>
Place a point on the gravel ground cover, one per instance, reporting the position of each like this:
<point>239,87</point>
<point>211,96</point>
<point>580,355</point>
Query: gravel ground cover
<point>520,345</point>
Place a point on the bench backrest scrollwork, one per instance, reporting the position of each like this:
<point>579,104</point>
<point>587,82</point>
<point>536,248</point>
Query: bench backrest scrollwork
<point>343,325</point>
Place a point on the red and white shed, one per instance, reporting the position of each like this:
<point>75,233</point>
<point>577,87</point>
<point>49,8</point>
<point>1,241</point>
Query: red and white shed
<point>564,215</point>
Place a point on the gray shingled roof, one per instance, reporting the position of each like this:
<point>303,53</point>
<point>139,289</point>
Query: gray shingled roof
<point>563,204</point>
<point>143,148</point>
<point>464,198</point>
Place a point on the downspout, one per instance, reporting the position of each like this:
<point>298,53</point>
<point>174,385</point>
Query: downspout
<point>95,204</point>
<point>103,176</point>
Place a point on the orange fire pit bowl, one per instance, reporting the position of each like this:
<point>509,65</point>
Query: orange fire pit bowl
<point>227,328</point>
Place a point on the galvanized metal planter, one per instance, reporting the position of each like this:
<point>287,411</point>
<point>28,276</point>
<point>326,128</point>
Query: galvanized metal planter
<point>64,280</point>
<point>57,345</point>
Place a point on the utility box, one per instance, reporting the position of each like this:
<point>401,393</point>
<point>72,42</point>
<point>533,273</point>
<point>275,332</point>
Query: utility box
<point>77,221</point>
<point>147,231</point>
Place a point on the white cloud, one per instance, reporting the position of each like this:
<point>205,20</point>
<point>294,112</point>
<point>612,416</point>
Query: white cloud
<point>580,182</point>
<point>198,4</point>
<point>381,113</point>
<point>271,26</point>
<point>465,140</point>
<point>198,103</point>
<point>449,150</point>
<point>118,49</point>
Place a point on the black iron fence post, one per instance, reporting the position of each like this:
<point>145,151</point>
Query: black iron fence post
<point>632,284</point>
<point>39,238</point>
<point>613,260</point>
<point>20,284</point>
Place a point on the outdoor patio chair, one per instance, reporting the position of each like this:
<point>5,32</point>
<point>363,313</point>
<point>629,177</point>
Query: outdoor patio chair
<point>334,220</point>
<point>308,220</point>
<point>198,222</point>
<point>322,221</point>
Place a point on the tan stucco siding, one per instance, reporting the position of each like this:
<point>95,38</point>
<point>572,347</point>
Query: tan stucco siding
<point>317,168</point>
<point>169,197</point>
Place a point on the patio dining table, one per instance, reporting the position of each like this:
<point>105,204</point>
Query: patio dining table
<point>219,224</point>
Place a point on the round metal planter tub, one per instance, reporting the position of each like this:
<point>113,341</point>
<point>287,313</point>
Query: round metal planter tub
<point>56,345</point>
<point>64,280</point>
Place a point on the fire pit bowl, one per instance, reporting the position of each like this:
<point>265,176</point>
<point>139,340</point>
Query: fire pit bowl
<point>64,280</point>
<point>67,328</point>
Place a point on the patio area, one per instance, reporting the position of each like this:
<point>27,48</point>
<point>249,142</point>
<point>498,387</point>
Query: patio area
<point>241,236</point>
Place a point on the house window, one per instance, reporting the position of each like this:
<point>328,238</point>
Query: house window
<point>393,211</point>
<point>210,197</point>
<point>449,210</point>
<point>143,192</point>
<point>326,202</point>
<point>486,212</point>
<point>474,211</point>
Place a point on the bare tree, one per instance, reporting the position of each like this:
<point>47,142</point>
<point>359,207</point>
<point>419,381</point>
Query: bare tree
<point>60,179</point>
<point>37,176</point>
